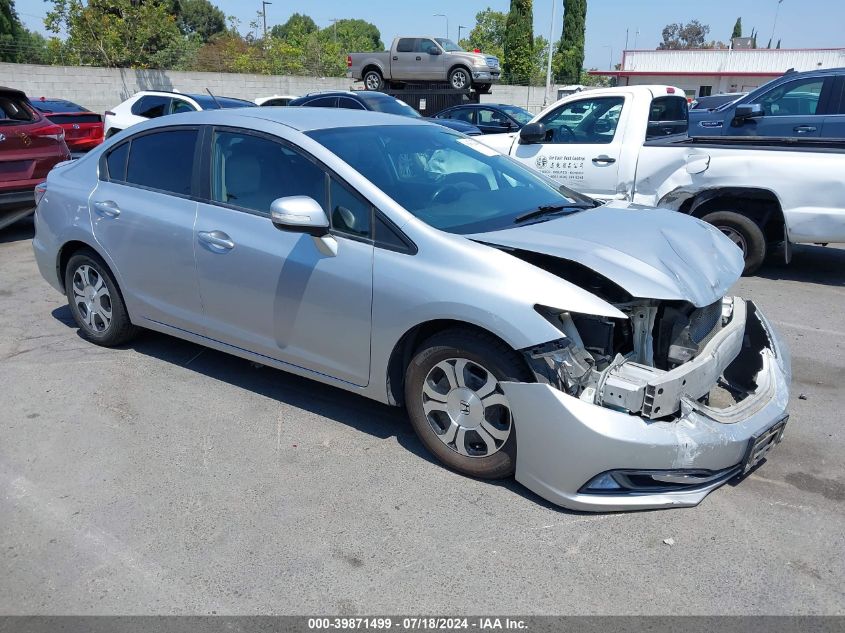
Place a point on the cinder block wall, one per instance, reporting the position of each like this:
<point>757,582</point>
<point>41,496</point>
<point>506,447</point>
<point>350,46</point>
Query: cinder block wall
<point>99,89</point>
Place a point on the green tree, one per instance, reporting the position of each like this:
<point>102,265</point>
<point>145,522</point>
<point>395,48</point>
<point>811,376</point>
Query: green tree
<point>488,34</point>
<point>737,32</point>
<point>199,17</point>
<point>18,44</point>
<point>519,42</point>
<point>297,24</point>
<point>690,35</point>
<point>353,36</point>
<point>568,61</point>
<point>118,33</point>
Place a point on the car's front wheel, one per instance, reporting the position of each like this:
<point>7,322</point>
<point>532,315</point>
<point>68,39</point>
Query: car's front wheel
<point>456,404</point>
<point>460,79</point>
<point>95,301</point>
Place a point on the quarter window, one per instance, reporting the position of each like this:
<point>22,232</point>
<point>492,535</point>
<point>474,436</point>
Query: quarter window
<point>163,160</point>
<point>181,106</point>
<point>587,121</point>
<point>251,171</point>
<point>151,106</point>
<point>116,162</point>
<point>349,214</point>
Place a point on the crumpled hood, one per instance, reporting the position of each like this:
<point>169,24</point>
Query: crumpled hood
<point>651,253</point>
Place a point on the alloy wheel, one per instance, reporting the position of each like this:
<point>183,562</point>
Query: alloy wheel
<point>465,407</point>
<point>92,298</point>
<point>736,237</point>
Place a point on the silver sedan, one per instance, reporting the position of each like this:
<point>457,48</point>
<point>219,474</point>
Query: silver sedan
<point>590,350</point>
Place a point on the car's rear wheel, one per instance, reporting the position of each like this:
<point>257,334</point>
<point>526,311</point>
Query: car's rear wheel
<point>373,80</point>
<point>745,233</point>
<point>95,301</point>
<point>460,79</point>
<point>456,404</point>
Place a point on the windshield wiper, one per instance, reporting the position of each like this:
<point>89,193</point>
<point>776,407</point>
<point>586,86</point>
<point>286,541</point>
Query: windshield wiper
<point>549,209</point>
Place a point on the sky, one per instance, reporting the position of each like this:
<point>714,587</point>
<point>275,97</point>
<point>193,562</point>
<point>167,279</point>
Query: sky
<point>800,23</point>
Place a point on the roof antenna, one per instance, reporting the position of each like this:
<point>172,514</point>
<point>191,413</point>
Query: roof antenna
<point>220,107</point>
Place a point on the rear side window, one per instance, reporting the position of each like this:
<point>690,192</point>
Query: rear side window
<point>667,115</point>
<point>151,106</point>
<point>349,104</point>
<point>13,109</point>
<point>116,162</point>
<point>163,160</point>
<point>321,102</point>
<point>406,45</point>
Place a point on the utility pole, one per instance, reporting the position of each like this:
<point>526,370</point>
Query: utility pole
<point>334,22</point>
<point>264,4</point>
<point>547,96</point>
<point>774,24</point>
<point>443,15</point>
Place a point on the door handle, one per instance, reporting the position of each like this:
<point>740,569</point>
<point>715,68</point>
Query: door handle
<point>107,208</point>
<point>396,59</point>
<point>217,239</point>
<point>604,160</point>
<point>419,58</point>
<point>803,129</point>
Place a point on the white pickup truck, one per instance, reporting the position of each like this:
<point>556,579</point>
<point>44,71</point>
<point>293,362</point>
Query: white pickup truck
<point>630,143</point>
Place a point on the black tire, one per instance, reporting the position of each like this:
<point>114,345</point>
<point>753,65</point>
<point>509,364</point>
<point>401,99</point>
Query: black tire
<point>454,75</point>
<point>745,233</point>
<point>119,329</point>
<point>373,80</point>
<point>478,348</point>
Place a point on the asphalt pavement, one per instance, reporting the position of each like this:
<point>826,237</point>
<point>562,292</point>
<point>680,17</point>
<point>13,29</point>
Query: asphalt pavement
<point>163,477</point>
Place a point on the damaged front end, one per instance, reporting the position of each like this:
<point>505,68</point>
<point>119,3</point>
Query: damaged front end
<point>657,409</point>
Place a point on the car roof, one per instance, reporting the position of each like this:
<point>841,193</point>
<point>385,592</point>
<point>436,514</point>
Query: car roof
<point>300,119</point>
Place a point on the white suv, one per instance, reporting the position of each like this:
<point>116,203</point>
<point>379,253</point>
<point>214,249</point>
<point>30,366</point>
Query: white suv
<point>150,104</point>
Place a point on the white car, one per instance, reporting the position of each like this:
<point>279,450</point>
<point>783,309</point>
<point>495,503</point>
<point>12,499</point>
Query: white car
<point>275,100</point>
<point>151,104</point>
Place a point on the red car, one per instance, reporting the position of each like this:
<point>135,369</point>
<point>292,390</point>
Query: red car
<point>83,128</point>
<point>30,146</point>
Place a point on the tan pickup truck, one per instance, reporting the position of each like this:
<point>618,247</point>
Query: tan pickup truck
<point>424,59</point>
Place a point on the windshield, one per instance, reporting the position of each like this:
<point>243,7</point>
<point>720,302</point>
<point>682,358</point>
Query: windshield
<point>448,45</point>
<point>389,106</point>
<point>449,181</point>
<point>522,116</point>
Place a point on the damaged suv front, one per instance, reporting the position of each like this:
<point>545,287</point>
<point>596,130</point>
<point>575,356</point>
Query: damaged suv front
<point>660,405</point>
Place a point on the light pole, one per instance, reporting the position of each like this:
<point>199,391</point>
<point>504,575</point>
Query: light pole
<point>459,32</point>
<point>443,15</point>
<point>547,96</point>
<point>264,4</point>
<point>774,24</point>
<point>334,22</point>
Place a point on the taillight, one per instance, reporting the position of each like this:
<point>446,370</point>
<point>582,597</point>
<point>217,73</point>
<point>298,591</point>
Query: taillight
<point>670,90</point>
<point>40,190</point>
<point>54,132</point>
<point>349,61</point>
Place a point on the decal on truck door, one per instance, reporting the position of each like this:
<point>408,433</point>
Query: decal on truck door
<point>561,167</point>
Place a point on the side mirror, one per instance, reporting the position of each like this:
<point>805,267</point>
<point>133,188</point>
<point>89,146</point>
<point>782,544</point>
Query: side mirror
<point>532,133</point>
<point>299,214</point>
<point>748,111</point>
<point>434,51</point>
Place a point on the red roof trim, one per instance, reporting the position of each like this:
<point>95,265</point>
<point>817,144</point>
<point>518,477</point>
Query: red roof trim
<point>735,50</point>
<point>655,73</point>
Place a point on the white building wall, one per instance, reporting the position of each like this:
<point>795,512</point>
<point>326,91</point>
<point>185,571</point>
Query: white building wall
<point>691,85</point>
<point>760,60</point>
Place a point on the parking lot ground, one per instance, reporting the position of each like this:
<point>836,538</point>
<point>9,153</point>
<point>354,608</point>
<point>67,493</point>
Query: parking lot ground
<point>163,477</point>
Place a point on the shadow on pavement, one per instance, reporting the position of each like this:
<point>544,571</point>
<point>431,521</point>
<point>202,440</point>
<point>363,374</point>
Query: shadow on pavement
<point>23,229</point>
<point>813,264</point>
<point>365,415</point>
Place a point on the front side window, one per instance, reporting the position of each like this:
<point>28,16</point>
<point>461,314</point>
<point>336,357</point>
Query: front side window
<point>448,45</point>
<point>163,160</point>
<point>797,98</point>
<point>492,117</point>
<point>451,182</point>
<point>424,45</point>
<point>251,171</point>
<point>587,121</point>
<point>349,104</point>
<point>151,106</point>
